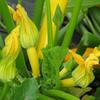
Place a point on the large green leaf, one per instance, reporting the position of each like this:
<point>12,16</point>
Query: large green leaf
<point>28,90</point>
<point>53,59</point>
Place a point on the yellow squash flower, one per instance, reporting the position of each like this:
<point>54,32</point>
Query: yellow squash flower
<point>43,31</point>
<point>83,73</point>
<point>28,31</point>
<point>12,45</point>
<point>9,55</point>
<point>28,37</point>
<point>7,69</point>
<point>68,58</point>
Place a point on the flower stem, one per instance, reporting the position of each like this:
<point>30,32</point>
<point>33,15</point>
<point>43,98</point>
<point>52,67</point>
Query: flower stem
<point>43,97</point>
<point>4,11</point>
<point>49,23</point>
<point>61,94</point>
<point>72,24</point>
<point>91,25</point>
<point>56,35</point>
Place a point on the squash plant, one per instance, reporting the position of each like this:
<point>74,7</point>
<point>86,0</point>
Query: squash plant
<point>37,60</point>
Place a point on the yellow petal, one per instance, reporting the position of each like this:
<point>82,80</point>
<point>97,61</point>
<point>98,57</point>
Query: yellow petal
<point>90,61</point>
<point>7,70</point>
<point>96,51</point>
<point>77,58</point>
<point>12,45</point>
<point>82,76</point>
<point>68,82</point>
<point>68,56</point>
<point>87,52</point>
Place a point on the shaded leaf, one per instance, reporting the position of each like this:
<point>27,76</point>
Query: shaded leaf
<point>90,40</point>
<point>28,90</point>
<point>97,94</point>
<point>1,42</point>
<point>87,97</point>
<point>85,4</point>
<point>21,65</point>
<point>79,91</point>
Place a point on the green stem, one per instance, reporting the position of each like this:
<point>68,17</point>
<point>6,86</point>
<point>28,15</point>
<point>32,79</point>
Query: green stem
<point>38,9</point>
<point>95,23</point>
<point>4,91</point>
<point>49,24</point>
<point>61,34</point>
<point>43,97</point>
<point>61,94</point>
<point>56,35</point>
<point>72,24</point>
<point>4,11</point>
<point>81,47</point>
<point>2,25</point>
<point>82,28</point>
<point>91,25</point>
<point>20,1</point>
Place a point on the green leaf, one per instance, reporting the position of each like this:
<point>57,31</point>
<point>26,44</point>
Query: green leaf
<point>78,91</point>
<point>2,25</point>
<point>94,12</point>
<point>1,41</point>
<point>21,65</point>
<point>90,40</point>
<point>85,4</point>
<point>58,19</point>
<point>5,14</point>
<point>97,94</point>
<point>38,10</point>
<point>52,61</point>
<point>1,45</point>
<point>87,97</point>
<point>28,90</point>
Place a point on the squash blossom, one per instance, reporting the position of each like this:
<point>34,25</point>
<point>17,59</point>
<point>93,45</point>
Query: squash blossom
<point>12,45</point>
<point>43,41</point>
<point>28,37</point>
<point>9,55</point>
<point>83,73</point>
<point>68,58</point>
<point>7,69</point>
